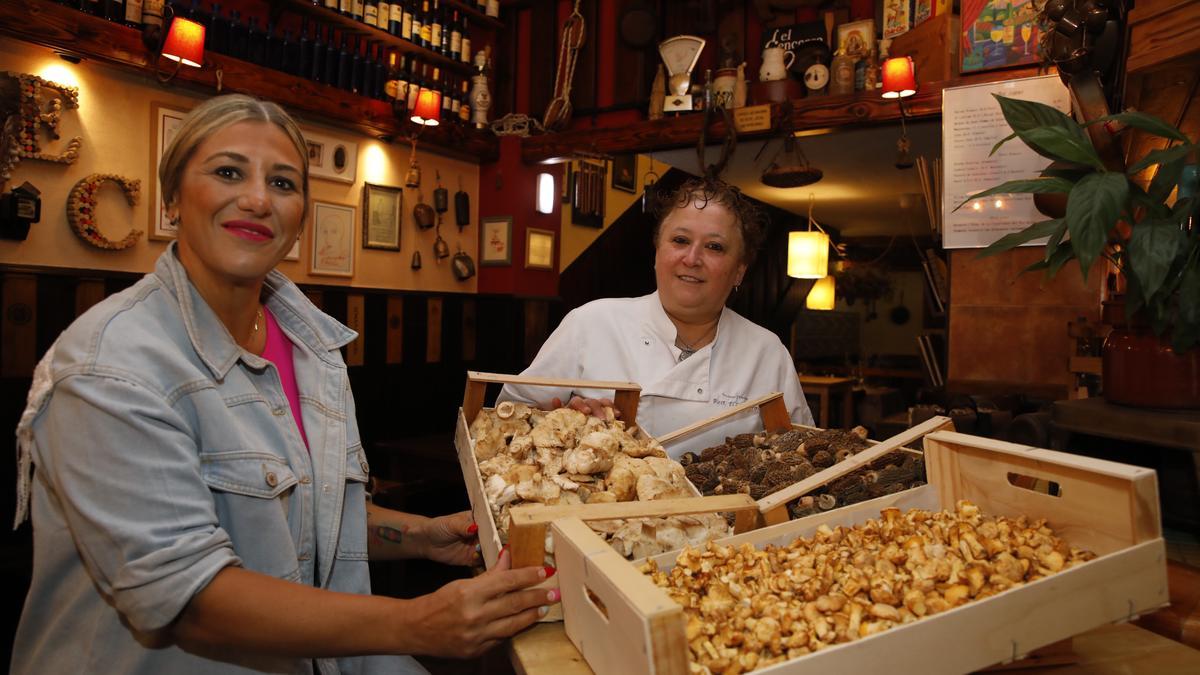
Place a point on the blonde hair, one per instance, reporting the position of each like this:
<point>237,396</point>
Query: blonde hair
<point>214,115</point>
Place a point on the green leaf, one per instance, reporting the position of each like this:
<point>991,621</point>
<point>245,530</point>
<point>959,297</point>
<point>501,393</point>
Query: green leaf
<point>1001,142</point>
<point>1164,156</point>
<point>1015,239</point>
<point>1092,209</point>
<point>1063,145</point>
<point>1153,246</point>
<point>1147,123</point>
<point>1061,256</point>
<point>1166,178</point>
<point>1187,328</point>
<point>1072,172</point>
<point>1024,186</point>
<point>1025,115</point>
<point>1155,208</point>
<point>1056,236</point>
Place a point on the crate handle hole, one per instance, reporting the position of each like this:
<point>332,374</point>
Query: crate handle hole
<point>597,603</point>
<point>1039,485</point>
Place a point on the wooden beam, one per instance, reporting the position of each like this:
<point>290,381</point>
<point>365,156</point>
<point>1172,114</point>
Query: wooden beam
<point>64,29</point>
<point>863,108</point>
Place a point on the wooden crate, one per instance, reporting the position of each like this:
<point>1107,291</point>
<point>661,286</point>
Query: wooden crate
<point>773,411</point>
<point>527,533</point>
<point>622,623</point>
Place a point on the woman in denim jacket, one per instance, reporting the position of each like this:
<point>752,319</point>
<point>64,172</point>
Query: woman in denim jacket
<point>198,497</point>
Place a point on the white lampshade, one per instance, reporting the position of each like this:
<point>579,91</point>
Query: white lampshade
<point>822,294</point>
<point>808,255</point>
<point>545,193</point>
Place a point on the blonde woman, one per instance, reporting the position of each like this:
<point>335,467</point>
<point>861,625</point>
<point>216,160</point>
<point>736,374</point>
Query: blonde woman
<point>198,495</point>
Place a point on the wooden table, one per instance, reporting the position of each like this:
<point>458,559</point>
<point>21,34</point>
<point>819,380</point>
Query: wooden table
<point>824,388</point>
<point>1124,648</point>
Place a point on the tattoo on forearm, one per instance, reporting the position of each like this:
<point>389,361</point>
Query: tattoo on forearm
<point>390,535</point>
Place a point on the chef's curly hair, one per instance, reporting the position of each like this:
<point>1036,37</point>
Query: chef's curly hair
<point>700,192</point>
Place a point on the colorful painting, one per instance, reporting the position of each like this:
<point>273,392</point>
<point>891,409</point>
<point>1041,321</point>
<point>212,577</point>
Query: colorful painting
<point>998,34</point>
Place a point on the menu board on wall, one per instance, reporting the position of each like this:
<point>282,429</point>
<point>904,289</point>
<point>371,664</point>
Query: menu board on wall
<point>971,125</point>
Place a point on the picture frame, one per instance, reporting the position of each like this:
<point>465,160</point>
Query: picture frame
<point>164,123</point>
<point>624,173</point>
<point>495,241</point>
<point>999,35</point>
<point>294,254</point>
<point>331,158</point>
<point>539,249</point>
<point>332,240</point>
<point>857,38</point>
<point>381,206</point>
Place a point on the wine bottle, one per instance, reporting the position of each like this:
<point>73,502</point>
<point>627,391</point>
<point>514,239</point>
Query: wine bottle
<point>316,70</point>
<point>466,42</point>
<point>331,59</point>
<point>417,20</point>
<point>435,28</point>
<point>444,91</point>
<point>344,72</point>
<point>396,18</point>
<point>254,43</point>
<point>346,7</point>
<point>415,81</point>
<point>356,10</point>
<point>114,10</point>
<point>284,60</point>
<point>303,51</point>
<point>133,13</point>
<point>464,107</point>
<point>406,22</point>
<point>93,7</point>
<point>380,73</point>
<point>370,12</point>
<point>217,35</point>
<point>426,26</point>
<point>455,99</point>
<point>357,81</point>
<point>383,15</point>
<point>152,14</point>
<point>331,4</point>
<point>455,38</point>
<point>237,35</point>
<point>401,91</point>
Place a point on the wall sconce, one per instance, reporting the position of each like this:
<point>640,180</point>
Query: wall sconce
<point>545,193</point>
<point>428,110</point>
<point>900,82</point>
<point>822,296</point>
<point>184,45</point>
<point>808,255</point>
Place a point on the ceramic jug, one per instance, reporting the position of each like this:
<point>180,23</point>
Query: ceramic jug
<point>772,65</point>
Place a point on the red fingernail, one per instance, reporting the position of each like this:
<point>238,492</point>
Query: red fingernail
<point>549,571</point>
<point>472,529</point>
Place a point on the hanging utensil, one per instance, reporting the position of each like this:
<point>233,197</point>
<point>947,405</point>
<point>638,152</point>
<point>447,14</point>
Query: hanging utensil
<point>416,260</point>
<point>462,265</point>
<point>413,178</point>
<point>423,213</point>
<point>441,196</point>
<point>649,191</point>
<point>441,250</point>
<point>462,206</point>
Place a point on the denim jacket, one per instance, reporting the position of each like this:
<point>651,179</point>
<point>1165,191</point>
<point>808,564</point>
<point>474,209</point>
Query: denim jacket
<point>162,453</point>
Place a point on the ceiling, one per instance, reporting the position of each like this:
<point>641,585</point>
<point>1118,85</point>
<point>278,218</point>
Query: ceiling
<point>862,193</point>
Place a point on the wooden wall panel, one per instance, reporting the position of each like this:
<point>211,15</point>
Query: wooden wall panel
<point>18,327</point>
<point>356,320</point>
<point>468,329</point>
<point>433,328</point>
<point>395,329</point>
<point>88,292</point>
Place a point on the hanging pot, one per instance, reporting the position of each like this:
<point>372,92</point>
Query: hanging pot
<point>441,196</point>
<point>423,213</point>
<point>462,207</point>
<point>462,266</point>
<point>441,250</point>
<point>792,169</point>
<point>416,260</point>
<point>412,179</point>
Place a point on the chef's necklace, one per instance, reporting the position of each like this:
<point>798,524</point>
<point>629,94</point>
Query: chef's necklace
<point>686,349</point>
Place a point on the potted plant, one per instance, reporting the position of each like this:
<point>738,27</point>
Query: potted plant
<point>1150,359</point>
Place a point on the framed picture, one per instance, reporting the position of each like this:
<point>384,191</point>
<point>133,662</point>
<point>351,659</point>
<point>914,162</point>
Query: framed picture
<point>495,241</point>
<point>381,216</point>
<point>539,249</point>
<point>332,240</point>
<point>999,34</point>
<point>624,173</point>
<point>294,254</point>
<point>857,37</point>
<point>331,158</point>
<point>164,122</point>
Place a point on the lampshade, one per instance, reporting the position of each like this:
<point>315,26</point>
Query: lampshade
<point>545,193</point>
<point>185,42</point>
<point>822,294</point>
<point>428,109</point>
<point>899,77</point>
<point>808,255</point>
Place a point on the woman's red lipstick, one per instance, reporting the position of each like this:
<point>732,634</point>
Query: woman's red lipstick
<point>249,230</point>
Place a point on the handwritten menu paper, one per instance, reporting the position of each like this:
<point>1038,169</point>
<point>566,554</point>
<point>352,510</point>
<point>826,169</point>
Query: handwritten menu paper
<point>971,124</point>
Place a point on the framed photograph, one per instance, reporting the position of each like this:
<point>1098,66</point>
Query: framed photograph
<point>857,37</point>
<point>495,241</point>
<point>294,254</point>
<point>624,173</point>
<point>332,240</point>
<point>999,34</point>
<point>331,158</point>
<point>381,216</point>
<point>539,249</point>
<point>164,122</point>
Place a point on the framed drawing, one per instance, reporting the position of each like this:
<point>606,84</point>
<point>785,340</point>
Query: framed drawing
<point>294,254</point>
<point>495,241</point>
<point>999,34</point>
<point>164,122</point>
<point>332,240</point>
<point>381,216</point>
<point>857,38</point>
<point>539,249</point>
<point>331,158</point>
<point>624,173</point>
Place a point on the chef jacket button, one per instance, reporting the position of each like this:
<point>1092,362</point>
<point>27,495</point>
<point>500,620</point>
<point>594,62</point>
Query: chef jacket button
<point>699,391</point>
<point>364,467</point>
<point>305,480</point>
<point>278,411</point>
<point>646,341</point>
<point>272,479</point>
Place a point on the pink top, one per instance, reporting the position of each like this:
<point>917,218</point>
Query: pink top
<point>279,352</point>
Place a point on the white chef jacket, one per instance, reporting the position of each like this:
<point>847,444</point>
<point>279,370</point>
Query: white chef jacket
<point>633,340</point>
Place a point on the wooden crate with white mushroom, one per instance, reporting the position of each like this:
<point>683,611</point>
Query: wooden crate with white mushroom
<point>526,466</point>
<point>1007,549</point>
<point>793,469</point>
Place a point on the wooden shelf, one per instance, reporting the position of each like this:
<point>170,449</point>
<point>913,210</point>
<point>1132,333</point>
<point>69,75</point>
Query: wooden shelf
<point>816,112</point>
<point>475,15</point>
<point>372,34</point>
<point>73,32</point>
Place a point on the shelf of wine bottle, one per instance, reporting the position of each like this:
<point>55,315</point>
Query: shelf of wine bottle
<point>70,31</point>
<point>470,9</point>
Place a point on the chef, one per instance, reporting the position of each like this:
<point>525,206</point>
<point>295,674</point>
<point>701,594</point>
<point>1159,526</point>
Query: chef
<point>692,356</point>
